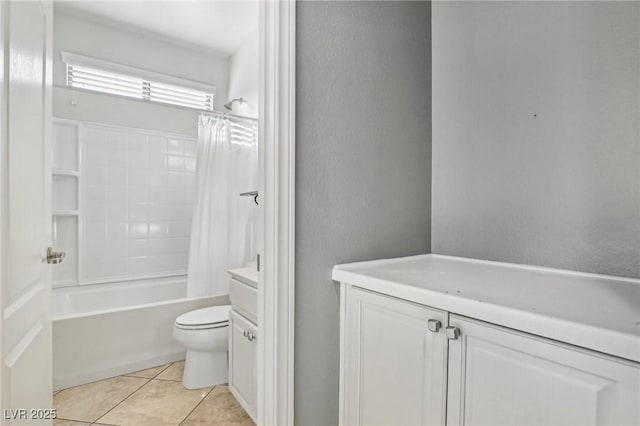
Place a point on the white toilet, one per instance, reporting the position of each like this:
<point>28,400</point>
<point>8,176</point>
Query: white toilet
<point>204,333</point>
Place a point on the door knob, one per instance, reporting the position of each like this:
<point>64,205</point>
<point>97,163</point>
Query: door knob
<point>55,257</point>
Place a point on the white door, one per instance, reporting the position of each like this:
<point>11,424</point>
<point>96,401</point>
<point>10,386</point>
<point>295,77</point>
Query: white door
<point>499,376</point>
<point>394,365</point>
<point>25,292</point>
<point>243,362</point>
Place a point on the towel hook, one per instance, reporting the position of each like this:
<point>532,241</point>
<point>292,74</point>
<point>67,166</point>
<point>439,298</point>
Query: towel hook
<point>253,194</point>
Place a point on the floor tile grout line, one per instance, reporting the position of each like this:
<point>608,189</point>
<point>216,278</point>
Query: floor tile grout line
<point>150,378</point>
<point>123,400</point>
<point>71,420</point>
<point>105,379</point>
<point>157,377</point>
<point>197,405</point>
<point>163,370</point>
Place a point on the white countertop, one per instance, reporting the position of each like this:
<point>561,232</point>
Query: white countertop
<point>247,275</point>
<point>598,312</point>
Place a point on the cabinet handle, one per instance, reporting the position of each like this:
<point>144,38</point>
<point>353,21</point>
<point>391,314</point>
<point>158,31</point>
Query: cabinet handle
<point>453,333</point>
<point>434,325</point>
<point>251,337</point>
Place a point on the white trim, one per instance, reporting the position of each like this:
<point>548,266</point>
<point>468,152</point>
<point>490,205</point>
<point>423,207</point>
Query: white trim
<point>81,201</point>
<point>4,164</point>
<point>142,101</point>
<point>277,164</point>
<point>75,59</point>
<point>141,277</point>
<point>117,127</point>
<point>64,121</point>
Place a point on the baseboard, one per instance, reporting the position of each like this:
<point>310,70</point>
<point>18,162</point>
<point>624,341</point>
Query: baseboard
<point>116,370</point>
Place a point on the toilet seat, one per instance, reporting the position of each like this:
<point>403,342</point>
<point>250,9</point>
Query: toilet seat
<point>205,318</point>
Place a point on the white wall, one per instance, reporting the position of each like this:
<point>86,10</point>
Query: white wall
<point>536,152</point>
<point>84,36</point>
<point>243,77</point>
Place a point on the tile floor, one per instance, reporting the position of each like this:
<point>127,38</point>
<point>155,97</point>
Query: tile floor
<point>153,397</point>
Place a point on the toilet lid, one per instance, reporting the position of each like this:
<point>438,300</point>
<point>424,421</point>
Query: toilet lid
<point>205,316</point>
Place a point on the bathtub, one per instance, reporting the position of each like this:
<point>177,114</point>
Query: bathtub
<point>105,330</point>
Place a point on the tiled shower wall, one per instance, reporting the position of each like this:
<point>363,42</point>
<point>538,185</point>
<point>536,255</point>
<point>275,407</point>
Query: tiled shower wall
<point>138,194</point>
<point>124,196</point>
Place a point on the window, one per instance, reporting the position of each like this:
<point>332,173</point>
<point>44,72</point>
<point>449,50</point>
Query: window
<point>103,77</point>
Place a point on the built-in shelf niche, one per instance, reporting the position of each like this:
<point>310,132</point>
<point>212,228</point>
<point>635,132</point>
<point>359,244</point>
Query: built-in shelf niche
<point>65,200</point>
<point>65,193</point>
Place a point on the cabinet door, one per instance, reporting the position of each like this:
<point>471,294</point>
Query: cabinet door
<point>393,366</point>
<point>242,361</point>
<point>498,376</point>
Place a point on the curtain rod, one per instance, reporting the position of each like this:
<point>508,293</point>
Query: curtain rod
<point>227,115</point>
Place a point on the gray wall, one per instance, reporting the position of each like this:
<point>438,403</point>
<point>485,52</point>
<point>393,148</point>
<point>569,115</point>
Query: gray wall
<point>536,152</point>
<point>362,166</point>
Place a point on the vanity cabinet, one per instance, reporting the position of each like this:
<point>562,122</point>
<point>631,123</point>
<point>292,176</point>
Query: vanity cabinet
<point>243,350</point>
<point>502,376</point>
<point>243,336</point>
<point>404,363</point>
<point>394,367</point>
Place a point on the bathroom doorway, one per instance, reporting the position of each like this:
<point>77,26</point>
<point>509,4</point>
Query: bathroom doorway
<point>120,205</point>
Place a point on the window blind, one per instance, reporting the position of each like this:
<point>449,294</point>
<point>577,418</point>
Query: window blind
<point>131,86</point>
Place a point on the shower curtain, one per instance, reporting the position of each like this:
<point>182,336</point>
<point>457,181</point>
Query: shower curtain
<point>226,165</point>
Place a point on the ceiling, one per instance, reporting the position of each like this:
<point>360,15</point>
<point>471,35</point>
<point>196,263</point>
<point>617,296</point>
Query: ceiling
<point>219,26</point>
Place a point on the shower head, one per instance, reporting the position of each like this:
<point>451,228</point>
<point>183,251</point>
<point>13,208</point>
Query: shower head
<point>229,105</point>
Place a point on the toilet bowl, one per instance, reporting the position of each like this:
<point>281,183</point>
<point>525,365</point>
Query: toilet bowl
<point>204,333</point>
